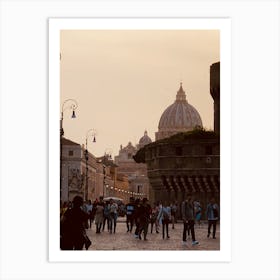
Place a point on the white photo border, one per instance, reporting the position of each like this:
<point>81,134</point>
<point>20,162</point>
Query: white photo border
<point>58,24</point>
<point>24,116</point>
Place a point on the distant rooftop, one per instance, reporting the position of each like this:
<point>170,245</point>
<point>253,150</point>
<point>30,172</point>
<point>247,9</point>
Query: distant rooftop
<point>69,142</point>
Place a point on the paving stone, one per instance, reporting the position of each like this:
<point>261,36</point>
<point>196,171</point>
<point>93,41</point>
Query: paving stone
<point>123,240</point>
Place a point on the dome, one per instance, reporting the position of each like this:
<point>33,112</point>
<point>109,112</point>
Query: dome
<point>178,117</point>
<point>144,140</point>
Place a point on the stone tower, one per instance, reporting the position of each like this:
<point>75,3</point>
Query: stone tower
<point>215,93</point>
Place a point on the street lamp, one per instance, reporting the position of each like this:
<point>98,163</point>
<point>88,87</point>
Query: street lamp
<point>92,133</point>
<point>67,104</point>
<point>107,156</point>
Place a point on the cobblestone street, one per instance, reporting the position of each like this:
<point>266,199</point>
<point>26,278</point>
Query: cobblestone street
<point>122,240</point>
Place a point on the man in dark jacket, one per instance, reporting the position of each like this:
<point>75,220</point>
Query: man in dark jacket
<point>212,214</point>
<point>188,219</point>
<point>73,235</point>
<point>144,218</point>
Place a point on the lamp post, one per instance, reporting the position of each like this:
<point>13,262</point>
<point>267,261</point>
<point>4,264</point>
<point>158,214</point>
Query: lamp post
<point>104,176</point>
<point>92,133</point>
<point>107,156</point>
<point>67,104</point>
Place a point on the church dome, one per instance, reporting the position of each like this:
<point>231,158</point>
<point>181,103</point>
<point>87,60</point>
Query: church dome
<point>178,117</point>
<point>144,140</point>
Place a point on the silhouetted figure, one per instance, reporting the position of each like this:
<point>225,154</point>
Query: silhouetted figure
<point>72,228</point>
<point>130,214</point>
<point>173,214</point>
<point>212,214</point>
<point>165,214</point>
<point>188,219</point>
<point>159,218</point>
<point>153,217</point>
<point>106,216</point>
<point>113,208</point>
<point>137,217</point>
<point>99,218</point>
<point>198,210</point>
<point>144,218</point>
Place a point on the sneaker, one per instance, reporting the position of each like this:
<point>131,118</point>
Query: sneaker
<point>184,242</point>
<point>195,242</point>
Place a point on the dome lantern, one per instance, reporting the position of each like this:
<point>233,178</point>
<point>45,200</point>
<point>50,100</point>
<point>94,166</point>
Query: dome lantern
<point>181,96</point>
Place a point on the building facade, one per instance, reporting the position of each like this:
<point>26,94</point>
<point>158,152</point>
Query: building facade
<point>81,173</point>
<point>136,173</point>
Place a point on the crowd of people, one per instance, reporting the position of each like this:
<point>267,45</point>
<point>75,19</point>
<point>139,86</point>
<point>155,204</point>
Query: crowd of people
<point>77,216</point>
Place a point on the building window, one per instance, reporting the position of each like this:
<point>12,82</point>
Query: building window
<point>208,150</point>
<point>71,153</point>
<point>179,151</point>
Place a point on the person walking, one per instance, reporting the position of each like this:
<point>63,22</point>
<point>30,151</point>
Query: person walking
<point>188,219</point>
<point>137,217</point>
<point>113,215</point>
<point>145,212</point>
<point>173,214</point>
<point>99,217</point>
<point>130,207</point>
<point>197,210</point>
<point>159,218</point>
<point>212,214</point>
<point>89,210</point>
<point>106,216</point>
<point>73,225</point>
<point>165,215</point>
<point>153,217</point>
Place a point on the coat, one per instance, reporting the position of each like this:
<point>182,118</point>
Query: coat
<point>99,214</point>
<point>187,210</point>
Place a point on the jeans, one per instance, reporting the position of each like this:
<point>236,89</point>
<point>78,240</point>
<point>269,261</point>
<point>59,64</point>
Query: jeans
<point>108,219</point>
<point>210,223</point>
<point>165,226</point>
<point>143,226</point>
<point>188,225</point>
<point>129,223</point>
<point>113,218</point>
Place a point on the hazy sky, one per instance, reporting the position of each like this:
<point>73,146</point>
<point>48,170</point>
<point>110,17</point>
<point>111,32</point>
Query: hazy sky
<point>124,80</point>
